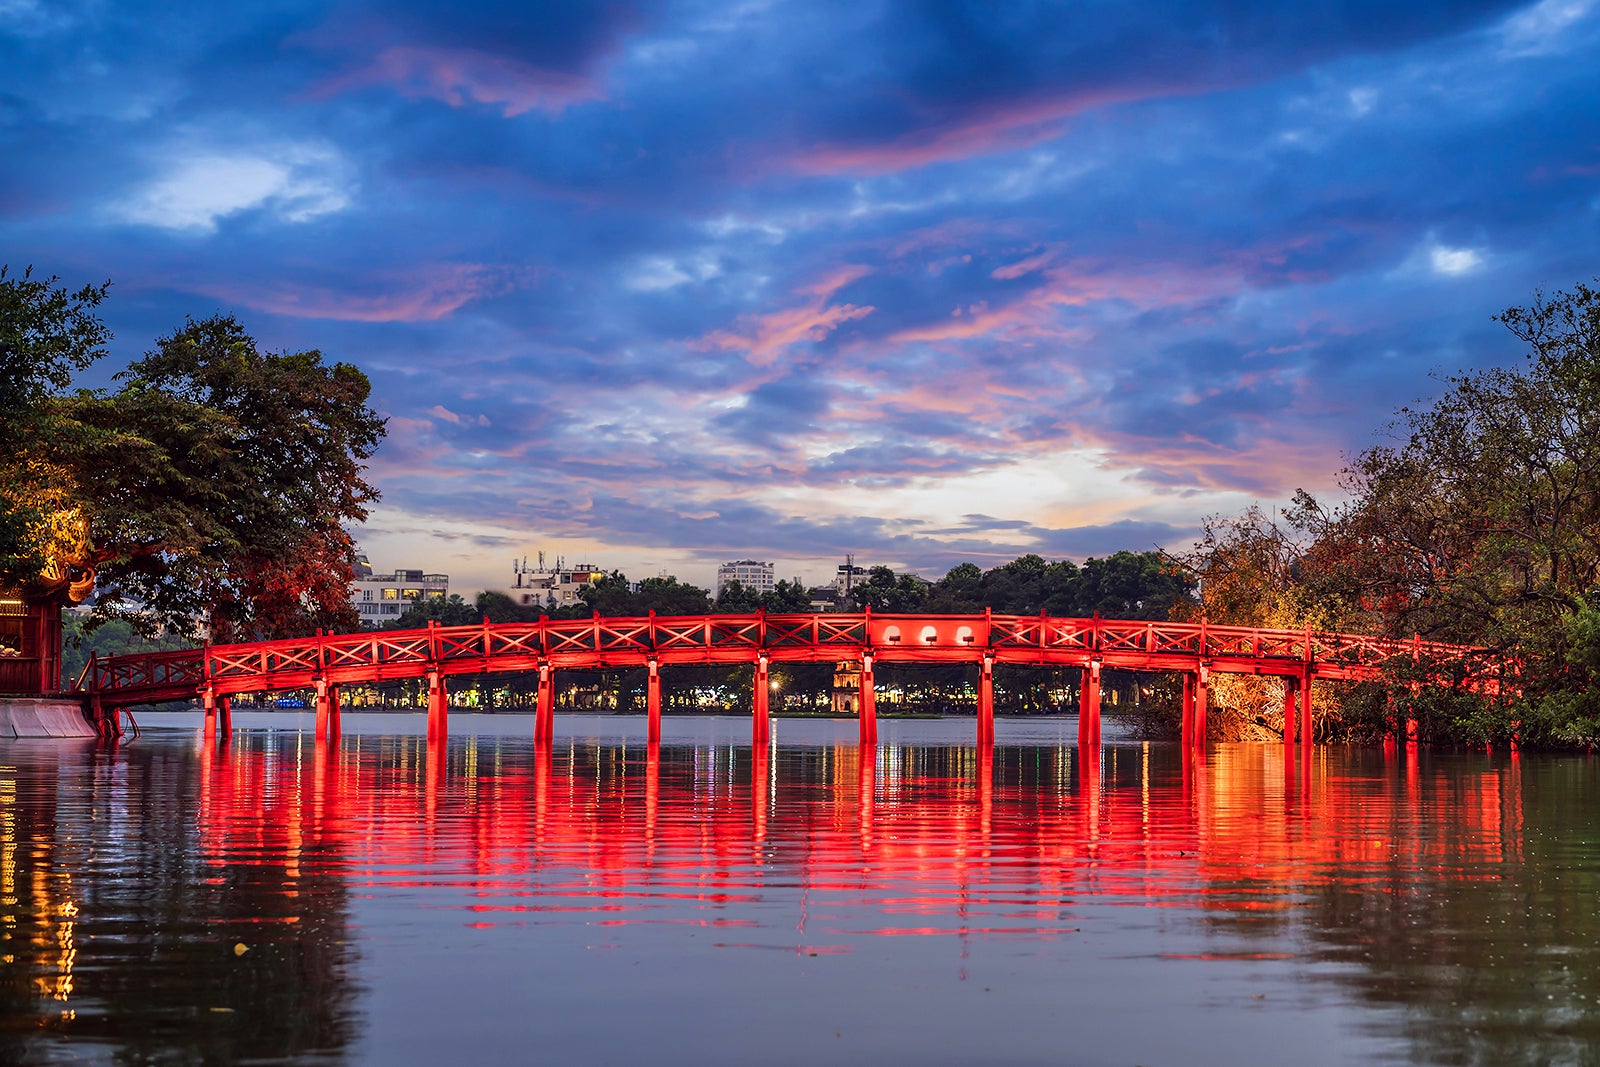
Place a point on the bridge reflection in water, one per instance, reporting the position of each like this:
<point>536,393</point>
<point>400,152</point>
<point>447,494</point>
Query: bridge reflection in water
<point>1141,820</point>
<point>587,894</point>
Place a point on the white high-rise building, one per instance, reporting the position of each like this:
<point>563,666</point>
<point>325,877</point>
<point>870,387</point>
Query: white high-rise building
<point>381,598</point>
<point>752,574</point>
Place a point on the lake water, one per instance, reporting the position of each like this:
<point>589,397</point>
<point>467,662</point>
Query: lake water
<point>381,902</point>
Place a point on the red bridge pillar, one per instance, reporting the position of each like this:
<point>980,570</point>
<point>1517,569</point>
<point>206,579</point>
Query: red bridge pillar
<point>761,724</point>
<point>1306,733</point>
<point>1186,710</point>
<point>438,707</point>
<point>986,701</point>
<point>1089,705</point>
<point>544,715</point>
<point>1202,700</point>
<point>652,703</point>
<point>868,703</point>
<point>327,711</point>
<point>1291,708</point>
<point>208,700</point>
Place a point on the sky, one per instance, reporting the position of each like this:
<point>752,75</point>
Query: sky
<point>659,285</point>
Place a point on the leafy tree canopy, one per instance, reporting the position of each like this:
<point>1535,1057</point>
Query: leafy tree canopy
<point>208,492</point>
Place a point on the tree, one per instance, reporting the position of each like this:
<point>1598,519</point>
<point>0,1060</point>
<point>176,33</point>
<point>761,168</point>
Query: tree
<point>208,493</point>
<point>1483,523</point>
<point>446,611</point>
<point>218,481</point>
<point>788,598</point>
<point>736,598</point>
<point>1127,585</point>
<point>46,333</point>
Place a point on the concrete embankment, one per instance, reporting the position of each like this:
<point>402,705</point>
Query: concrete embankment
<point>42,717</point>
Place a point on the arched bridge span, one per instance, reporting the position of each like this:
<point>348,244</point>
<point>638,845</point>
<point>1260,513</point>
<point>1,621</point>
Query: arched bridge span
<point>1195,649</point>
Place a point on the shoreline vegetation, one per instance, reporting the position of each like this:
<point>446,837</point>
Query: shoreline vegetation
<point>213,493</point>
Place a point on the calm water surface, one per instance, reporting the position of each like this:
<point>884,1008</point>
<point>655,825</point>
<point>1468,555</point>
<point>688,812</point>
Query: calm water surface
<point>380,902</point>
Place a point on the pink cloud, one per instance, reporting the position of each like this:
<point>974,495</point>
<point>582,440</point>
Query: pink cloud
<point>1021,267</point>
<point>425,299</point>
<point>457,75</point>
<point>1003,128</point>
<point>763,338</point>
<point>1033,314</point>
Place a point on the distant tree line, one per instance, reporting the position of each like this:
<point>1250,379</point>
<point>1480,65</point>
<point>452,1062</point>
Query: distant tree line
<point>1125,585</point>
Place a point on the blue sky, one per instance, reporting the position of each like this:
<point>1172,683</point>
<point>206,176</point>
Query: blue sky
<point>658,285</point>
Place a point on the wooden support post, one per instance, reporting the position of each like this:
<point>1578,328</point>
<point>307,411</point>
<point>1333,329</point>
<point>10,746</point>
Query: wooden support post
<point>652,703</point>
<point>208,700</point>
<point>868,702</point>
<point>335,725</point>
<point>544,715</point>
<point>225,719</point>
<point>760,693</point>
<point>1202,696</point>
<point>986,702</point>
<point>1291,707</point>
<point>438,707</point>
<point>108,727</point>
<point>1089,706</point>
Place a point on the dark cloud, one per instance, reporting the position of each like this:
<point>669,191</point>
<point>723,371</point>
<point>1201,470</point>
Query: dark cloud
<point>707,277</point>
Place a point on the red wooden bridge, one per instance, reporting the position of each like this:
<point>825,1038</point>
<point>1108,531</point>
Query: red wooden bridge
<point>1196,650</point>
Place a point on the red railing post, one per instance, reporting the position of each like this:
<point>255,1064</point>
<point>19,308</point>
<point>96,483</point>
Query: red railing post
<point>88,672</point>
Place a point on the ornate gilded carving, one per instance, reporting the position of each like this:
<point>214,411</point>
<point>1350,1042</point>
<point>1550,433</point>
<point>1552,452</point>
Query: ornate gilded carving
<point>69,566</point>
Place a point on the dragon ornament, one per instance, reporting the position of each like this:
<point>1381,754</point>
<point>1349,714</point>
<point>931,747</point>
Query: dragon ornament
<point>69,562</point>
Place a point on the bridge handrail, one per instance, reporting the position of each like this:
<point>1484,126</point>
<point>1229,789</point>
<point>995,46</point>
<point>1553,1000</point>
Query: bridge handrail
<point>519,645</point>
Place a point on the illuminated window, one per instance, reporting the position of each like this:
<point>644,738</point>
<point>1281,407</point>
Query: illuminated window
<point>10,636</point>
<point>391,594</point>
<point>410,594</point>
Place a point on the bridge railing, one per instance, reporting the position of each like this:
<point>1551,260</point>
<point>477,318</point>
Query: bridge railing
<point>381,655</point>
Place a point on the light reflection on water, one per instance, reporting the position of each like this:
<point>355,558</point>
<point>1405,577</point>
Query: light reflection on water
<point>381,901</point>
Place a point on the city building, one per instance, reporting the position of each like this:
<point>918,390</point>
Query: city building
<point>381,598</point>
<point>555,587</point>
<point>846,578</point>
<point>752,574</point>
